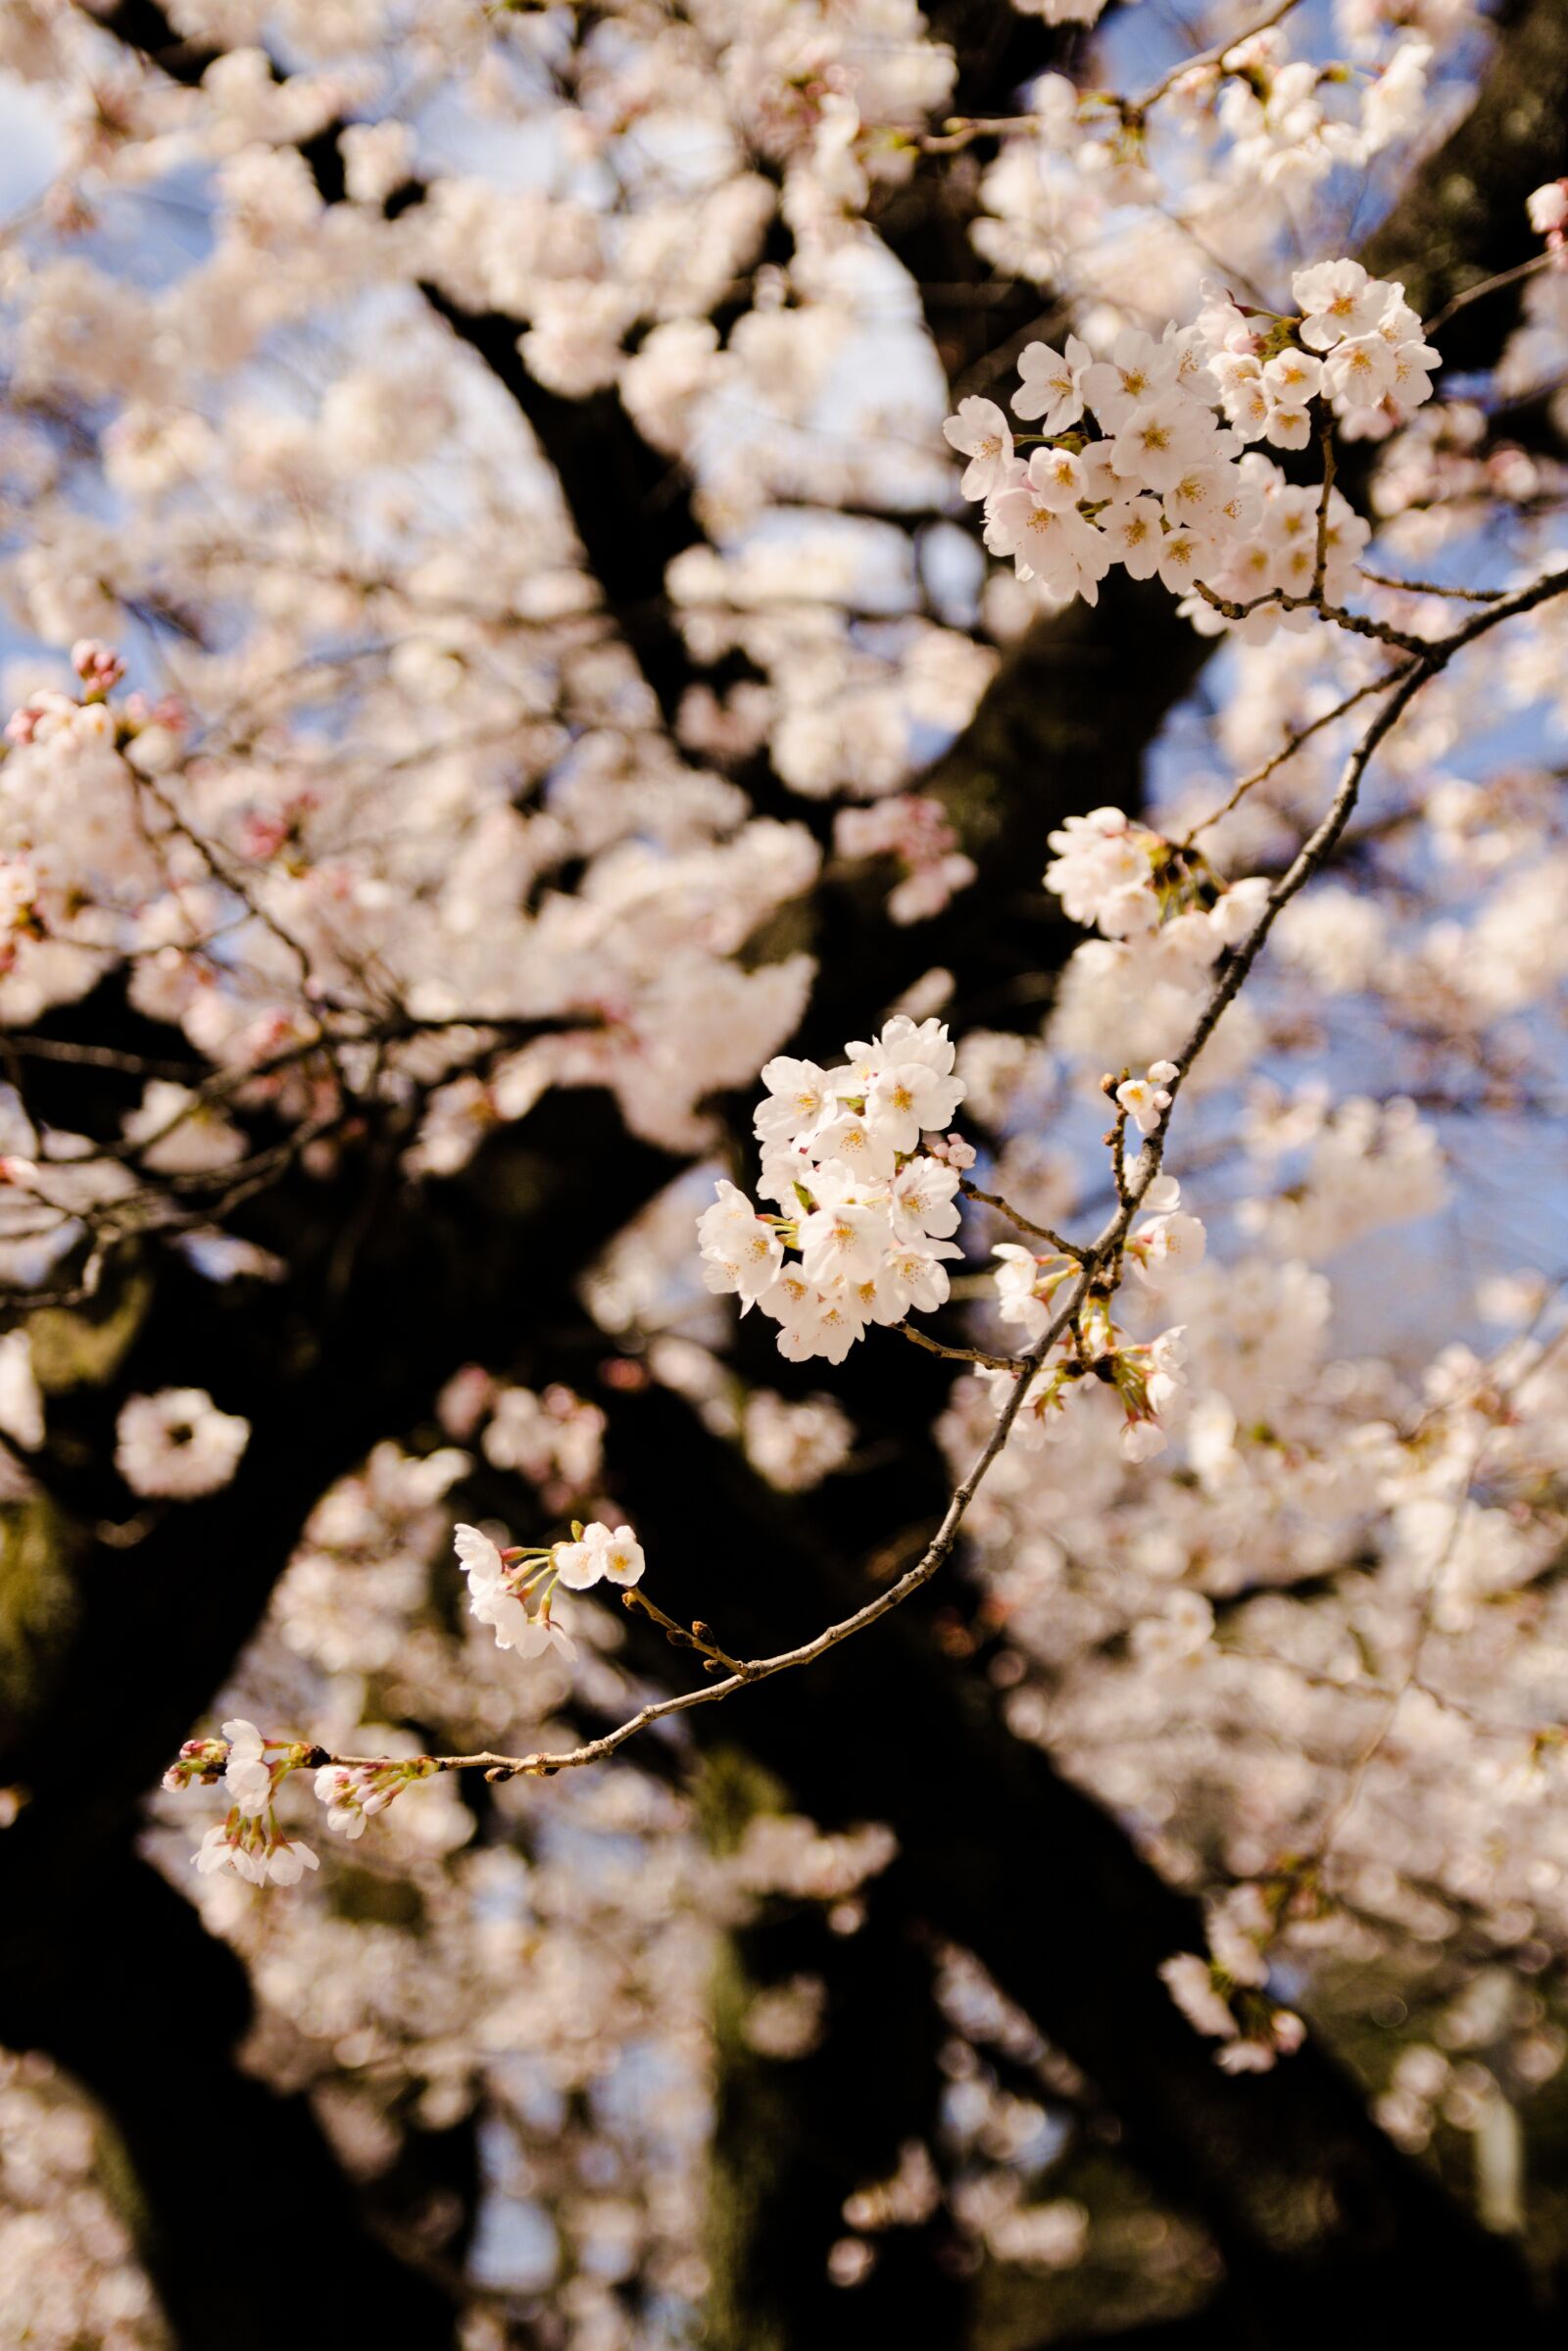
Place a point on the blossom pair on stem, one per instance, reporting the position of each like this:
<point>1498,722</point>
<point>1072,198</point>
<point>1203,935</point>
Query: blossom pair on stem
<point>511,1589</point>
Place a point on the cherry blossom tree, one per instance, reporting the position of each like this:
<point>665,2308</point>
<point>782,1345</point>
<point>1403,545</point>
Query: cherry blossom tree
<point>783,1387</point>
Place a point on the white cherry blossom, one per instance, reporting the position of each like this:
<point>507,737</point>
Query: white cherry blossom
<point>178,1444</point>
<point>1053,381</point>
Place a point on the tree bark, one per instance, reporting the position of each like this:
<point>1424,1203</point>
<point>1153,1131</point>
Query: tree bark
<point>1323,2225</point>
<point>796,2133</point>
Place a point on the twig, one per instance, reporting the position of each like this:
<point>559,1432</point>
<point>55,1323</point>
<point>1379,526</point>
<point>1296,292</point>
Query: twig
<point>1321,561</point>
<point>1024,1224</point>
<point>1212,56</point>
<point>1359,624</point>
<point>1430,587</point>
<point>1487,285</point>
<point>960,130</point>
<point>1287,750</point>
<point>698,1636</point>
<point>99,1056</point>
<point>960,1354</point>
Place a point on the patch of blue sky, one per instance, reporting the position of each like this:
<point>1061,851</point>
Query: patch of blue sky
<point>514,2248</point>
<point>953,573</point>
<point>648,2081</point>
<point>464,142</point>
<point>604,1858</point>
<point>670,148</point>
<point>524,2081</point>
<point>152,236</point>
<point>32,145</point>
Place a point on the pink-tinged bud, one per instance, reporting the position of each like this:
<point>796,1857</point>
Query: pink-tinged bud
<point>98,665</point>
<point>465,1400</point>
<point>167,712</point>
<point>262,836</point>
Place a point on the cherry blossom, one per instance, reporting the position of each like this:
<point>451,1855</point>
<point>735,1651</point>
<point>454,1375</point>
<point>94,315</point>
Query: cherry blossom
<point>1547,208</point>
<point>355,1793</point>
<point>1052,389</point>
<point>1146,1100</point>
<point>256,1851</point>
<point>178,1444</point>
<point>980,432</point>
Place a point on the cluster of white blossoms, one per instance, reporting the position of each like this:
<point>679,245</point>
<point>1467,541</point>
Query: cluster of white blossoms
<point>1225,1995</point>
<point>864,1186</point>
<point>253,1768</point>
<point>355,1792</point>
<point>511,1589</point>
<point>1105,871</point>
<point>1143,1101</point>
<point>1095,1356</point>
<point>51,716</point>
<point>1355,343</point>
<point>1142,459</point>
<point>249,1840</point>
<point>918,832</point>
<point>1116,875</point>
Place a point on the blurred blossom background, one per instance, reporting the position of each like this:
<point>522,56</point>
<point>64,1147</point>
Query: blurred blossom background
<point>501,652</point>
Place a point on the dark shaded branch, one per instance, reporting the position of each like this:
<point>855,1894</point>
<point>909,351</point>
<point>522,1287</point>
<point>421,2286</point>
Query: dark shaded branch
<point>629,506</point>
<point>797,2130</point>
<point>1321,2220</point>
<point>235,2183</point>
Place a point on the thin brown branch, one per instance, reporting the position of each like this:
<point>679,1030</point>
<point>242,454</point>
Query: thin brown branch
<point>1287,749</point>
<point>1489,285</point>
<point>1024,1224</point>
<point>960,1354</point>
<point>961,131</point>
<point>1218,56</point>
<point>1431,587</point>
<point>697,1636</point>
<point>1359,624</point>
<point>1321,561</point>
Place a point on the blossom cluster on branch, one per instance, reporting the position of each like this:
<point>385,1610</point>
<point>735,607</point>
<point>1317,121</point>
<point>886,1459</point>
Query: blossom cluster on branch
<point>863,1182</point>
<point>1141,453</point>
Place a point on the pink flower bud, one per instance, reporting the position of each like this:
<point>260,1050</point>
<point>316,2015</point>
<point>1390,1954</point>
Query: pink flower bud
<point>98,665</point>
